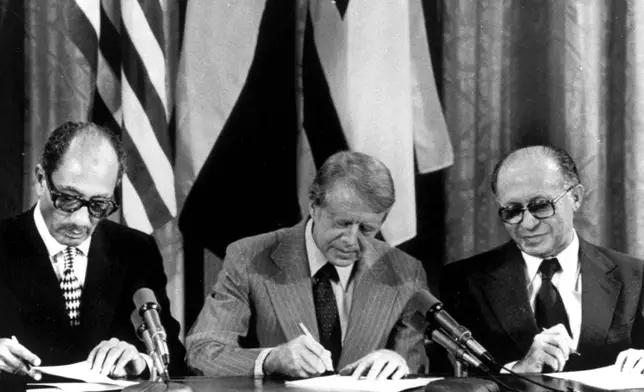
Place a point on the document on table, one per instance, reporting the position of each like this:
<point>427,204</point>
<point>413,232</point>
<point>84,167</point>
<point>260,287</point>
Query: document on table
<point>348,383</point>
<point>81,371</point>
<point>608,377</point>
<point>71,387</point>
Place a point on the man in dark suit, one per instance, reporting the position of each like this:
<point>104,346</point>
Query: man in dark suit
<point>548,299</point>
<point>67,275</point>
<point>327,275</point>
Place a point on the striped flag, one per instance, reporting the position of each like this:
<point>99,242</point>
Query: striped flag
<point>131,98</point>
<point>130,53</point>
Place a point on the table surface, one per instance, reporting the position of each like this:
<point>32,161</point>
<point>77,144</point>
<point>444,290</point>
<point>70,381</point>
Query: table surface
<point>203,384</point>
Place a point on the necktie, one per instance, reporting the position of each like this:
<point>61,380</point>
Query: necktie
<point>70,286</point>
<point>326,310</point>
<point>549,307</point>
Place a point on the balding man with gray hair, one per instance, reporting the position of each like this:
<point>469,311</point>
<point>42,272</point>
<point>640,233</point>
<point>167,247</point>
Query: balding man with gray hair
<point>548,300</point>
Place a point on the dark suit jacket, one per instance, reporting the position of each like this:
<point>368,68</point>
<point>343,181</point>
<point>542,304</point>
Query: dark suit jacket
<point>120,261</point>
<point>264,291</point>
<point>488,294</point>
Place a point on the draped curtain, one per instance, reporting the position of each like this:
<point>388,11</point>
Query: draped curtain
<point>565,73</point>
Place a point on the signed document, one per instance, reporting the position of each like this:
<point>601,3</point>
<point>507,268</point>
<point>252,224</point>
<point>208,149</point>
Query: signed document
<point>81,371</point>
<point>348,383</point>
<point>608,377</point>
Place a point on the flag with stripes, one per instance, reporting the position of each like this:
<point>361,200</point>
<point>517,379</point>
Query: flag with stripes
<point>131,98</point>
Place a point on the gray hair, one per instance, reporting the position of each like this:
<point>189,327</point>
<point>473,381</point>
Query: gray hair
<point>364,174</point>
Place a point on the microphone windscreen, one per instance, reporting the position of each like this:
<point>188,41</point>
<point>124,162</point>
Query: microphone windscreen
<point>143,296</point>
<point>136,319</point>
<point>422,301</point>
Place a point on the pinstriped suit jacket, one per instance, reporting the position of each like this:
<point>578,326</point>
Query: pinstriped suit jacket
<point>264,291</point>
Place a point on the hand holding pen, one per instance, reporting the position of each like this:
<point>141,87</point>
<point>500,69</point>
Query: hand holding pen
<point>16,358</point>
<point>300,357</point>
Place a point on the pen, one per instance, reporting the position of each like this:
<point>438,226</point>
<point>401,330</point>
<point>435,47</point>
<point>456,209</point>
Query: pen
<point>327,358</point>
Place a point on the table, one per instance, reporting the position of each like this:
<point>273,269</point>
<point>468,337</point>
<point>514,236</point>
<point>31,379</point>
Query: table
<point>246,384</point>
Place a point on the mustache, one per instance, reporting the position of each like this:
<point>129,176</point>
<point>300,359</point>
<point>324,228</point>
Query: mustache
<point>74,228</point>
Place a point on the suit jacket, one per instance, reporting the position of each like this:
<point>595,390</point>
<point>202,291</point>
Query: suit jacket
<point>264,291</point>
<point>488,294</point>
<point>120,261</point>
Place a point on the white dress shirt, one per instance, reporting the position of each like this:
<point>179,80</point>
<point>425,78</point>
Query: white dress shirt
<point>567,281</point>
<point>55,250</point>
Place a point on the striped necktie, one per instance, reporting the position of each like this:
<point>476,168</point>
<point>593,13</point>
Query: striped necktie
<point>70,286</point>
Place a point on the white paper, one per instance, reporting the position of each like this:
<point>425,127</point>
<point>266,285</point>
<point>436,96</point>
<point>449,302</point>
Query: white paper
<point>72,387</point>
<point>81,371</point>
<point>608,377</point>
<point>348,383</point>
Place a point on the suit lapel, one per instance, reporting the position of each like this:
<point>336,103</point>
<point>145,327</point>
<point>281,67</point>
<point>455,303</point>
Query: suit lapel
<point>103,282</point>
<point>290,288</point>
<point>375,290</point>
<point>600,292</point>
<point>30,273</point>
<point>506,290</point>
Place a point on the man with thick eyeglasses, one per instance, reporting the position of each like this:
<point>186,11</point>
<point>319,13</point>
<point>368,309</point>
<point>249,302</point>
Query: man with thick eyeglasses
<point>548,300</point>
<point>68,275</point>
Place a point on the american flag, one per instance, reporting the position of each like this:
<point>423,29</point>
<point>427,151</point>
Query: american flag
<point>131,98</point>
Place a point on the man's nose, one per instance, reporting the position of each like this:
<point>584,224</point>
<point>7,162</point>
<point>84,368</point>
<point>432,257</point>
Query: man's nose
<point>81,217</point>
<point>529,221</point>
<point>351,234</point>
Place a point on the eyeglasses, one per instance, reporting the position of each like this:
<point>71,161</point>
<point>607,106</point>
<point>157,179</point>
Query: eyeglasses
<point>96,206</point>
<point>539,209</point>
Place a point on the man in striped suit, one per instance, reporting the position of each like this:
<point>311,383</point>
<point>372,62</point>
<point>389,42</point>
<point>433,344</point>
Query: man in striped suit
<point>324,295</point>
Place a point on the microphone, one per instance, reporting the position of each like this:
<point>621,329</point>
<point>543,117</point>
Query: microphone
<point>432,309</point>
<point>460,353</point>
<point>149,309</point>
<point>143,334</point>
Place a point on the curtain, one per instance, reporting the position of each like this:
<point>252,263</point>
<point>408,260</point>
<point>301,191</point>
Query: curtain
<point>565,73</point>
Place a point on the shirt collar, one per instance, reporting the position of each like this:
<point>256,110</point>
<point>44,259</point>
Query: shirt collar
<point>568,258</point>
<point>54,247</point>
<point>317,259</point>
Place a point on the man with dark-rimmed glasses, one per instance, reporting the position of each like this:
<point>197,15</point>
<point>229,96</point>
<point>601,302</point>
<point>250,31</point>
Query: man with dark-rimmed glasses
<point>548,300</point>
<point>68,275</point>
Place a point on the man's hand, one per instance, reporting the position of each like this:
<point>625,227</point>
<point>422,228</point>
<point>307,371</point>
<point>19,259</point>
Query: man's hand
<point>552,347</point>
<point>16,358</point>
<point>630,361</point>
<point>301,357</point>
<point>116,358</point>
<point>378,365</point>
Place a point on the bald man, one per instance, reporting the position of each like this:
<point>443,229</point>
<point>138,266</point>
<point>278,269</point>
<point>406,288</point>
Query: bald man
<point>548,300</point>
<point>68,275</point>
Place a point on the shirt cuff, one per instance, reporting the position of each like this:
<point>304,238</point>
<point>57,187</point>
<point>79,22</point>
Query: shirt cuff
<point>259,362</point>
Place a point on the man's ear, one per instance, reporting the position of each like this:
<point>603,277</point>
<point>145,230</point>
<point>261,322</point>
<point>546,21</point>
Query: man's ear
<point>577,194</point>
<point>40,177</point>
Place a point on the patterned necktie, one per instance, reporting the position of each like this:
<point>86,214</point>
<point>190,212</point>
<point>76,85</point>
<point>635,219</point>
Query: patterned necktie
<point>70,286</point>
<point>549,307</point>
<point>326,310</point>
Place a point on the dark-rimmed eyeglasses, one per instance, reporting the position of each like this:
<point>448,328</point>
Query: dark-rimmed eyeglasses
<point>541,209</point>
<point>97,207</point>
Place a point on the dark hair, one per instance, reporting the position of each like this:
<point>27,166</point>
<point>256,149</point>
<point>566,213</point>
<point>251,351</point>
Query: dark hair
<point>364,174</point>
<point>559,155</point>
<point>61,137</point>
